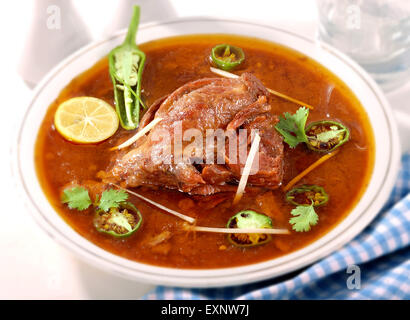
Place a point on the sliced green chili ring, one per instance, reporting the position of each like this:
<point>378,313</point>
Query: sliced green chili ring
<point>126,64</point>
<point>227,57</point>
<point>307,195</point>
<point>118,222</point>
<point>249,219</point>
<point>326,135</point>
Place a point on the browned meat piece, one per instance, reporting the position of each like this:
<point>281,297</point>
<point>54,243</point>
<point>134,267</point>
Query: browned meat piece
<point>159,243</point>
<point>216,174</point>
<point>258,116</point>
<point>203,104</point>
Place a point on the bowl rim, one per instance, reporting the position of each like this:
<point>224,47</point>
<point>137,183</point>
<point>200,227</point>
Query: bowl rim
<point>206,277</point>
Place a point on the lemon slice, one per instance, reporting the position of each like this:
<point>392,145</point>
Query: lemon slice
<point>86,120</point>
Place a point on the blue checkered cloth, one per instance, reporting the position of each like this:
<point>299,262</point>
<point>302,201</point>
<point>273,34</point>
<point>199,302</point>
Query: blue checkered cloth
<point>381,252</point>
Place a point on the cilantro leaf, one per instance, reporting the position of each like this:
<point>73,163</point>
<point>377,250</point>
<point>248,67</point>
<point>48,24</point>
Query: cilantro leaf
<point>112,199</point>
<point>76,198</point>
<point>292,127</point>
<point>304,217</point>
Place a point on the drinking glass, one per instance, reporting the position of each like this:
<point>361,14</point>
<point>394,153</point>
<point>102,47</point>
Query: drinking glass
<point>375,33</point>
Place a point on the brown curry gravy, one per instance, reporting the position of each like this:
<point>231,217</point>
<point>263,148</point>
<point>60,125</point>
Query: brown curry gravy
<point>172,62</point>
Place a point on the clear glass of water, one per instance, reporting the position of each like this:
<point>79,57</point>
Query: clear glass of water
<point>375,33</point>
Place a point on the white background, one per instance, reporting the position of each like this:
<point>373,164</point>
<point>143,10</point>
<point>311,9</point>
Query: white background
<point>32,265</point>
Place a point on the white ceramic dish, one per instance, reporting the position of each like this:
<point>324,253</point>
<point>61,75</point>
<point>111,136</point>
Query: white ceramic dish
<point>386,157</point>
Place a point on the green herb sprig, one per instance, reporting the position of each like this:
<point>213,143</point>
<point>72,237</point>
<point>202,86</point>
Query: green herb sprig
<point>78,198</point>
<point>292,127</point>
<point>304,218</point>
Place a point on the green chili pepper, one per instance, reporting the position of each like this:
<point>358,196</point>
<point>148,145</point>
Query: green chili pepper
<point>249,219</point>
<point>118,222</point>
<point>307,195</point>
<point>326,136</point>
<point>227,57</point>
<point>126,64</point>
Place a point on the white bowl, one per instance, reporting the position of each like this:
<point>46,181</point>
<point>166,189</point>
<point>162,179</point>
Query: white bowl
<point>387,156</point>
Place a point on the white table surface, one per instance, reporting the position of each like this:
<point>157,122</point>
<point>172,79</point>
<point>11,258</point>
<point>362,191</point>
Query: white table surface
<point>32,265</point>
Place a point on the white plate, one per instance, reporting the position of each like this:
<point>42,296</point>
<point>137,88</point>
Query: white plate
<point>386,164</point>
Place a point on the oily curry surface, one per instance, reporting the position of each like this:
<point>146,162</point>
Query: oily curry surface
<point>171,63</point>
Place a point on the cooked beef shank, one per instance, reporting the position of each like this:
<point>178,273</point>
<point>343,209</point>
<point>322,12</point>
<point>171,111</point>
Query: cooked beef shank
<point>212,103</point>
